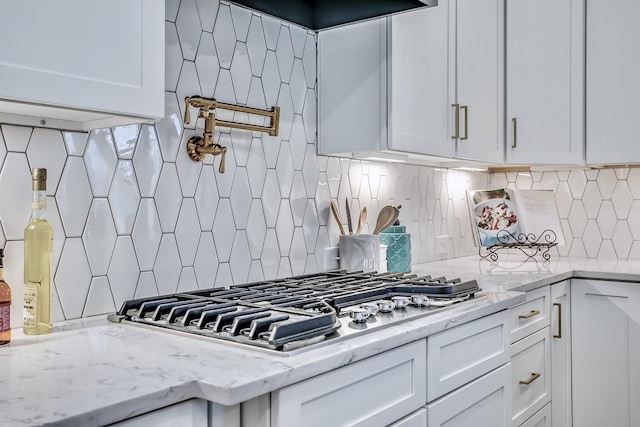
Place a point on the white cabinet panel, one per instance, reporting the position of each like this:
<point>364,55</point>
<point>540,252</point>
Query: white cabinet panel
<point>531,368</point>
<point>485,402</point>
<point>479,54</point>
<point>378,390</point>
<point>82,65</point>
<point>605,320</point>
<point>561,353</point>
<point>419,81</point>
<point>544,91</point>
<point>531,315</point>
<point>542,418</point>
<point>461,354</point>
<point>352,82</point>
<point>613,66</point>
<point>417,419</point>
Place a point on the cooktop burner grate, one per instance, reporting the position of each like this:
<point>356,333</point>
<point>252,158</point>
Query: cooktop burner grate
<point>298,311</point>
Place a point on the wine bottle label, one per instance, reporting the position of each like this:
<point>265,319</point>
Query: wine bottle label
<point>30,304</point>
<point>5,316</point>
<point>38,205</point>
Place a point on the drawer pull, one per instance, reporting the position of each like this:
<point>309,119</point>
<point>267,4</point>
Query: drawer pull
<point>531,314</point>
<point>534,376</point>
<point>559,334</point>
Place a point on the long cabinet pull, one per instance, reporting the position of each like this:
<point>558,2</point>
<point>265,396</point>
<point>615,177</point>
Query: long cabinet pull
<point>456,121</point>
<point>515,132</point>
<point>466,121</point>
<point>559,334</point>
<point>531,314</point>
<point>534,376</point>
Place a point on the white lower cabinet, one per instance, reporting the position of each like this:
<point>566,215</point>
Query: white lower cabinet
<point>561,354</point>
<point>605,320</point>
<point>484,402</point>
<point>530,367</point>
<point>462,354</point>
<point>191,413</point>
<point>417,419</point>
<point>376,391</point>
<point>542,418</point>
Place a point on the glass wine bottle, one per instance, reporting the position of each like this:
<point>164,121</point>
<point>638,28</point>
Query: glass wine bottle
<point>38,244</point>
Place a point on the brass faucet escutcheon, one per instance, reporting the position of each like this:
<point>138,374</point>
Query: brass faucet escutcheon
<point>199,146</point>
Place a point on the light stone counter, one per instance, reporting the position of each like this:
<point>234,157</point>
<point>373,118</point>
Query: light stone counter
<point>92,372</point>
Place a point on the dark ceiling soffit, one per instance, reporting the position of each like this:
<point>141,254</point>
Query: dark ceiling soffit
<point>320,14</point>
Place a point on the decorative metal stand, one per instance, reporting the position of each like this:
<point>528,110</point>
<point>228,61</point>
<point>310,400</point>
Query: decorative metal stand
<point>529,244</point>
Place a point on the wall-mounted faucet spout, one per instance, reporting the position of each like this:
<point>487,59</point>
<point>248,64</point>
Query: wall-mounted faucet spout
<point>199,146</point>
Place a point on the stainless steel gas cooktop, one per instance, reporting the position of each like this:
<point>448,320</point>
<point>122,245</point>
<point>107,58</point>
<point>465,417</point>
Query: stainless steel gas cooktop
<point>282,316</point>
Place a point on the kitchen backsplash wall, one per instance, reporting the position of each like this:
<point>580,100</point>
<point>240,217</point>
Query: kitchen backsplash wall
<point>599,209</point>
<point>134,216</point>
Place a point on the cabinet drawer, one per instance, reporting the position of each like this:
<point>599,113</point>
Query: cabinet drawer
<point>466,352</point>
<point>532,315</point>
<point>484,403</point>
<point>375,391</point>
<point>542,418</point>
<point>531,369</point>
<point>417,419</point>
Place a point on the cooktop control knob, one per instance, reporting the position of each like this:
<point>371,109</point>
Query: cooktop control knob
<point>359,315</point>
<point>386,306</point>
<point>400,302</point>
<point>420,300</point>
<point>371,308</point>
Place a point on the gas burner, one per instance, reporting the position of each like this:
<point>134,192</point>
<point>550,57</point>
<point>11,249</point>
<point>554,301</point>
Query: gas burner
<point>284,315</point>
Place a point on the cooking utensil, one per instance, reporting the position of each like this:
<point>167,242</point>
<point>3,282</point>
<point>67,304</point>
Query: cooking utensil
<point>362,219</point>
<point>336,216</point>
<point>349,224</point>
<point>386,217</point>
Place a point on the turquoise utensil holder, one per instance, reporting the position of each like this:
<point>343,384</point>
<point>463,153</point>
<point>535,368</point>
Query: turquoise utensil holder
<point>398,243</point>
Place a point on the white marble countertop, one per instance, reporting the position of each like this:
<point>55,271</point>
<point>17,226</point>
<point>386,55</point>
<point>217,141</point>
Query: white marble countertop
<point>93,372</point>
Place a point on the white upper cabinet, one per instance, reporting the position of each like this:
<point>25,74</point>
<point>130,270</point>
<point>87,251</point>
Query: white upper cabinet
<point>81,65</point>
<point>392,84</point>
<point>352,81</point>
<point>545,78</point>
<point>419,82</point>
<point>479,79</point>
<point>613,66</point>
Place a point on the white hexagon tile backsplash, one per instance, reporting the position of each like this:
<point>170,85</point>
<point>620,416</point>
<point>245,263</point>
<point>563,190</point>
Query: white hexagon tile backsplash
<point>133,216</point>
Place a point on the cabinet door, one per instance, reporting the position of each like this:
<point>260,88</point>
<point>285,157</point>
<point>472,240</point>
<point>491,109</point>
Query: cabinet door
<point>542,418</point>
<point>419,84</point>
<point>483,402</point>
<point>545,60</point>
<point>352,85</point>
<point>479,54</point>
<point>530,367</point>
<point>561,354</point>
<point>90,60</point>
<point>605,322</point>
<point>613,66</point>
<point>461,354</point>
<point>375,391</point>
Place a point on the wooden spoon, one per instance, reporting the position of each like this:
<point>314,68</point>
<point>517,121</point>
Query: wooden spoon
<point>336,216</point>
<point>361,220</point>
<point>386,217</point>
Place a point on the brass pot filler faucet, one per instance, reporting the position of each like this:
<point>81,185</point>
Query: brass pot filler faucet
<point>199,146</point>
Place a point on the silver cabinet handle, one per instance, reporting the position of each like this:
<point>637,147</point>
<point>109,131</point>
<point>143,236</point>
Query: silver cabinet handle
<point>534,376</point>
<point>531,314</point>
<point>559,334</point>
<point>515,132</point>
<point>456,121</point>
<point>466,122</point>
